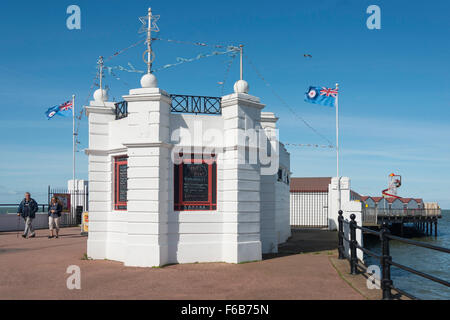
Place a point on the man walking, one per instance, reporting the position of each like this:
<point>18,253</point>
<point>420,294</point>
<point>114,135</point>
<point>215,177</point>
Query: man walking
<point>27,209</point>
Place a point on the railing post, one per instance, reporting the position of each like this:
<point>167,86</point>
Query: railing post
<point>353,258</point>
<point>386,281</point>
<point>341,235</point>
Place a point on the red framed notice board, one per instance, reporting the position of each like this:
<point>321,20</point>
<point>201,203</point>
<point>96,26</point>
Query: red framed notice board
<point>195,183</point>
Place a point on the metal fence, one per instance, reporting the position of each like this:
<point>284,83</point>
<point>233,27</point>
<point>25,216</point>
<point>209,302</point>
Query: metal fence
<point>196,104</point>
<point>385,258</point>
<point>74,203</point>
<point>121,109</point>
<point>309,209</point>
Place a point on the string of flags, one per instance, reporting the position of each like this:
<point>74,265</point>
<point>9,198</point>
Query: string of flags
<point>227,71</point>
<point>309,145</point>
<point>232,51</point>
<point>201,44</point>
<point>180,60</point>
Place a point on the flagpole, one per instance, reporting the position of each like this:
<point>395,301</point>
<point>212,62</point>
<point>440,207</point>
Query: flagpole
<point>337,147</point>
<point>73,149</point>
<point>337,130</point>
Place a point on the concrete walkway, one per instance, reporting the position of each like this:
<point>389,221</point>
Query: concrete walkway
<point>36,269</point>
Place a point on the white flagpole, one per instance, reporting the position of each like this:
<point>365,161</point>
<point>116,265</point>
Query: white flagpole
<point>73,149</point>
<point>337,147</point>
<point>337,131</point>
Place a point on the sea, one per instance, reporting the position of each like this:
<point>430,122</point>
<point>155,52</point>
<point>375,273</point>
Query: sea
<point>426,260</point>
<point>13,209</point>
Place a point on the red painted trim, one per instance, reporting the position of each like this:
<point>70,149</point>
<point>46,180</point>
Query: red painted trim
<point>117,203</point>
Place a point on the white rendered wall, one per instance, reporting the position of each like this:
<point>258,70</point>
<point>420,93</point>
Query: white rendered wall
<point>241,190</point>
<point>100,177</point>
<point>282,203</point>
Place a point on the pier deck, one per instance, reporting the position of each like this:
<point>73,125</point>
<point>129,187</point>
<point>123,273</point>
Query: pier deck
<point>376,216</point>
<point>36,269</point>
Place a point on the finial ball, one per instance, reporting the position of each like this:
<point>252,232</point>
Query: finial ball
<point>100,95</point>
<point>149,81</point>
<point>241,86</point>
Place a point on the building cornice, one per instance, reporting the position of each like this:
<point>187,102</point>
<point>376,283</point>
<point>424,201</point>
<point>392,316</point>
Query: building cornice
<point>242,99</point>
<point>147,94</point>
<point>103,152</point>
<point>100,109</point>
<point>143,144</point>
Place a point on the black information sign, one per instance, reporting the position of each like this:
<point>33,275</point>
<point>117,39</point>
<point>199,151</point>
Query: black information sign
<point>195,182</point>
<point>123,183</point>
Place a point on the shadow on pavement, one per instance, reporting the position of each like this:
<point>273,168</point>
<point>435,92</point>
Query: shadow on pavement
<point>306,241</point>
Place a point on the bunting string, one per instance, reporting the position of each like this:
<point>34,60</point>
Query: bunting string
<point>227,71</point>
<point>284,102</point>
<point>201,44</point>
<point>309,145</point>
<point>180,60</point>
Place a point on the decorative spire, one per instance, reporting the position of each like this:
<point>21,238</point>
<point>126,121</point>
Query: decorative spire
<point>100,94</point>
<point>149,25</point>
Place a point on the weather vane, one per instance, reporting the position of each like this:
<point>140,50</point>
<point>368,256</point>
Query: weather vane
<point>149,25</point>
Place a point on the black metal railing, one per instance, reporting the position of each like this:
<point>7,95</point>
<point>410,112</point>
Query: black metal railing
<point>121,110</point>
<point>196,104</point>
<point>13,207</point>
<point>182,104</point>
<point>385,258</point>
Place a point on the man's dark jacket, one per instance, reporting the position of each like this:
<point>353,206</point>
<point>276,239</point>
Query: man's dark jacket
<point>28,209</point>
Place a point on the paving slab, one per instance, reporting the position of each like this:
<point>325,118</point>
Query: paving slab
<point>36,269</point>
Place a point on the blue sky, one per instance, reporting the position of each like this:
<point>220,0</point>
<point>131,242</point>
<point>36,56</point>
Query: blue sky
<point>394,98</point>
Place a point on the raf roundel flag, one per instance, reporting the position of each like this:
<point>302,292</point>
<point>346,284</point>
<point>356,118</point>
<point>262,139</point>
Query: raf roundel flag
<point>58,110</point>
<point>322,95</point>
<point>51,112</point>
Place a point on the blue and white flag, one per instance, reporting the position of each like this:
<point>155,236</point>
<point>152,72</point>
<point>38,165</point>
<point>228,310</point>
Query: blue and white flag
<point>58,110</point>
<point>322,95</point>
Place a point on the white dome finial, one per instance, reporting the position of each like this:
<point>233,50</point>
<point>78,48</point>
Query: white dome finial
<point>241,86</point>
<point>100,95</point>
<point>148,80</point>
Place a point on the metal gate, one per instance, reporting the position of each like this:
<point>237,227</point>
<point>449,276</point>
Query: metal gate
<point>309,209</point>
<point>71,200</point>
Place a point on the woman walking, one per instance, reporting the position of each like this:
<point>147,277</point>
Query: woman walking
<point>54,213</point>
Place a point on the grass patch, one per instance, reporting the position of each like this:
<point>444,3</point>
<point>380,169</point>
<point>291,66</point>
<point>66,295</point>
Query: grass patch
<point>250,261</point>
<point>86,257</point>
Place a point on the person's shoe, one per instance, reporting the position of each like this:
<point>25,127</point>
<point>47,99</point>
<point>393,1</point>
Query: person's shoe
<point>32,236</point>
<point>50,237</point>
<point>57,237</point>
<point>24,236</point>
